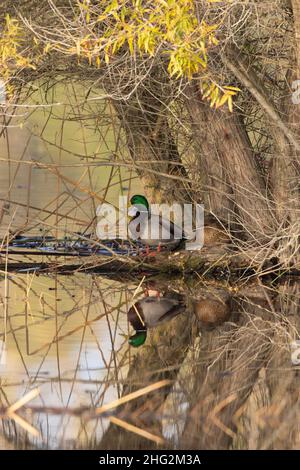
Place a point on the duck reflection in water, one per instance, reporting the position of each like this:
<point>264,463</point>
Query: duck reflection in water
<point>151,311</point>
<point>156,307</point>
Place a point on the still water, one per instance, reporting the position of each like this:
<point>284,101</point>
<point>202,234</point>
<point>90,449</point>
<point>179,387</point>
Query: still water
<point>64,338</point>
<point>63,334</point>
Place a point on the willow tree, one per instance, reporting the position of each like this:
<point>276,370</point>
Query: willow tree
<point>203,92</point>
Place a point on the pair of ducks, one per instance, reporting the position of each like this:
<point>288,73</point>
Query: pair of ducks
<point>152,310</point>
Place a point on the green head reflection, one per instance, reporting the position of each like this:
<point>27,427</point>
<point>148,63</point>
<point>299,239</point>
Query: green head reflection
<point>138,339</point>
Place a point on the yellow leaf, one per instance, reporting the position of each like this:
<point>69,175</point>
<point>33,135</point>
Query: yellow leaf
<point>208,91</point>
<point>47,48</point>
<point>230,93</point>
<point>234,88</point>
<point>130,44</point>
<point>222,101</point>
<point>214,96</point>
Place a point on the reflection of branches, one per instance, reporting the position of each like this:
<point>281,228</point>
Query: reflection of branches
<point>10,412</point>
<point>85,412</point>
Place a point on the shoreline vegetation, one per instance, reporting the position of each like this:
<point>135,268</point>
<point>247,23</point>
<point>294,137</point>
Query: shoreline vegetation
<point>183,101</point>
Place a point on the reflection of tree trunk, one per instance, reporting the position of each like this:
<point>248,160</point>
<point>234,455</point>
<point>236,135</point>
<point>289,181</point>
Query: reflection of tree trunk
<point>159,359</point>
<point>242,373</point>
<point>282,377</point>
<point>230,360</point>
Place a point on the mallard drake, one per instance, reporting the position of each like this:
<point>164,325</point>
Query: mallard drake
<point>150,312</point>
<point>143,223</point>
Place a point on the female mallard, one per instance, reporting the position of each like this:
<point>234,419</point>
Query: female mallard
<point>152,230</point>
<point>150,312</point>
<point>212,312</point>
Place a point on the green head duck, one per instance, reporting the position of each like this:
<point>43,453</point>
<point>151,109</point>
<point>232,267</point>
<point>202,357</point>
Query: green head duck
<point>138,339</point>
<point>140,200</point>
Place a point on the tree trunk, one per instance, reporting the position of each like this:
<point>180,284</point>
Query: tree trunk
<point>236,190</point>
<point>150,140</point>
